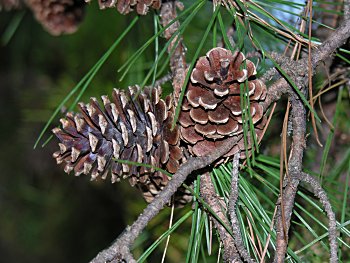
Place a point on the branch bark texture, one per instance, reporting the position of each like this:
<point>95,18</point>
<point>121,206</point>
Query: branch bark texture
<point>232,211</point>
<point>298,115</point>
<point>209,195</point>
<point>120,249</point>
<point>176,48</point>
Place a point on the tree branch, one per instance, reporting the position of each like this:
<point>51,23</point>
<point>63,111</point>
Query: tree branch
<point>120,249</point>
<point>232,211</point>
<point>324,51</point>
<point>346,9</point>
<point>294,168</point>
<point>320,193</point>
<point>176,48</point>
<point>209,195</point>
<point>321,53</point>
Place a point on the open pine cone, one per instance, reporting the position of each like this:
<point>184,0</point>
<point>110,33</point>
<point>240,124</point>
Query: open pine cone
<point>211,111</point>
<point>126,6</point>
<point>134,126</point>
<point>58,16</point>
<point>10,4</point>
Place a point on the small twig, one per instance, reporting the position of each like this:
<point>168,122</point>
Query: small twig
<point>207,190</point>
<point>321,53</point>
<point>164,79</point>
<point>336,39</point>
<point>176,48</point>
<point>232,210</point>
<point>275,92</point>
<point>298,114</point>
<point>120,249</point>
<point>320,193</point>
<point>346,9</point>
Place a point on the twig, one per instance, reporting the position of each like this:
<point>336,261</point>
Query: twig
<point>320,193</point>
<point>321,53</point>
<point>295,165</point>
<point>163,80</point>
<point>232,210</point>
<point>208,193</point>
<point>336,39</point>
<point>346,9</point>
<point>176,48</point>
<point>120,249</point>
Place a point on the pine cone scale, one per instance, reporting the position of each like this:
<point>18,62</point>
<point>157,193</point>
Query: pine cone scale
<point>57,16</point>
<point>212,110</point>
<point>134,126</point>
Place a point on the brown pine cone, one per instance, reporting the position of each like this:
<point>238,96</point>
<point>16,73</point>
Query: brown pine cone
<point>58,16</point>
<point>211,111</point>
<point>134,126</point>
<point>125,6</point>
<point>10,4</point>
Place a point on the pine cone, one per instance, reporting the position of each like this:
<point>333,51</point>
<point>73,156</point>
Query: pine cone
<point>58,16</point>
<point>134,126</point>
<point>211,111</point>
<point>10,4</point>
<point>126,6</point>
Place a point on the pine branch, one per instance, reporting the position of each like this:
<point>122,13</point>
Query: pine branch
<point>298,114</point>
<point>346,9</point>
<point>320,193</point>
<point>120,249</point>
<point>324,51</point>
<point>176,48</point>
<point>232,211</point>
<point>320,54</point>
<point>209,195</point>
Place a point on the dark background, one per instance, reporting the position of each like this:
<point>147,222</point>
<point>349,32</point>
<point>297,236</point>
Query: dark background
<point>47,215</point>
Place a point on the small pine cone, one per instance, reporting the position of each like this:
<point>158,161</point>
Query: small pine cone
<point>134,126</point>
<point>126,6</point>
<point>58,16</point>
<point>211,111</point>
<point>10,4</point>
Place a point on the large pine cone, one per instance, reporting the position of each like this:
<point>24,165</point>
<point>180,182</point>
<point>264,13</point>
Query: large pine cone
<point>211,111</point>
<point>134,126</point>
<point>125,6</point>
<point>58,16</point>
